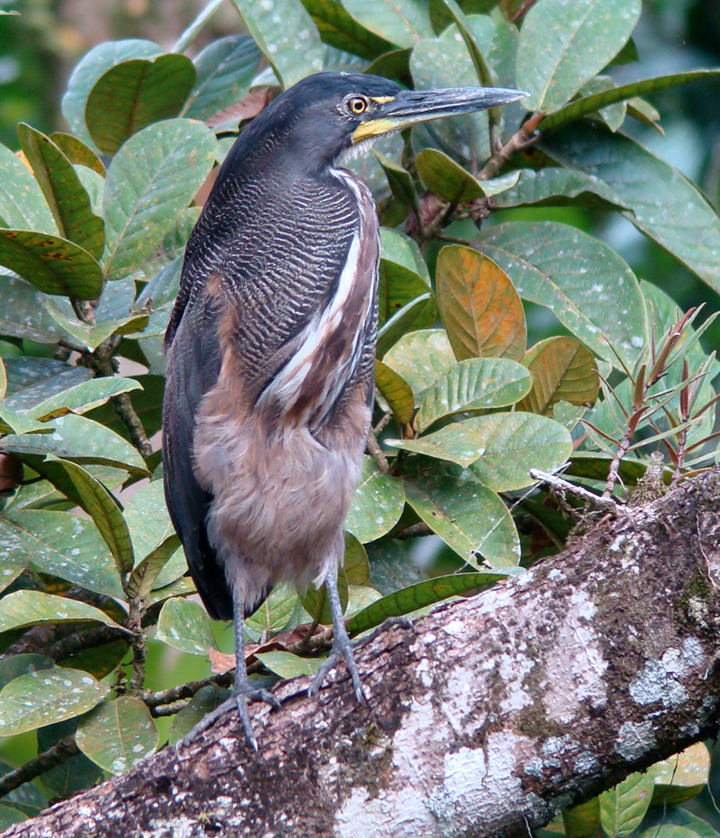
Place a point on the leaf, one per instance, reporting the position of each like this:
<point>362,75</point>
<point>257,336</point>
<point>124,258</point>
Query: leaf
<point>479,306</point>
<point>564,43</point>
<point>64,193</point>
<point>77,152</point>
<point>22,204</point>
<point>338,29</point>
<point>135,93</point>
<point>396,392</point>
<point>185,625</point>
<point>46,697</point>
<point>205,700</point>
<point>293,48</point>
<point>82,397</point>
<point>23,312</point>
<point>287,665</point>
<point>17,423</point>
<point>555,186</point>
<point>470,518</point>
<point>420,595</point>
<point>585,284</point>
<point>377,504</point>
<point>643,182</point>
<point>355,563</point>
<point>90,337</point>
<point>150,180</point>
<point>562,370</point>
<point>225,69</point>
<point>32,380</point>
<point>421,357</point>
<point>474,384</point>
<point>623,807</point>
<point>14,666</point>
<point>582,820</point>
<point>672,831</point>
<point>117,734</point>
<point>400,181</point>
<point>100,59</point>
<point>29,608</point>
<point>90,494</point>
<point>50,263</point>
<point>80,440</point>
<point>317,604</point>
<point>396,247</point>
<point>148,519</point>
<point>275,613</point>
<point>77,773</point>
<point>448,180</point>
<point>682,776</point>
<point>409,317</point>
<point>401,22</point>
<point>397,287</point>
<point>589,104</point>
<point>143,578</point>
<point>500,448</point>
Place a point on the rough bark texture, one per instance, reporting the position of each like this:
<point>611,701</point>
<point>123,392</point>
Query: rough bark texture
<point>485,718</point>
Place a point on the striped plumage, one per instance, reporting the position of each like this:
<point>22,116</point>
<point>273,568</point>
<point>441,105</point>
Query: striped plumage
<point>271,349</point>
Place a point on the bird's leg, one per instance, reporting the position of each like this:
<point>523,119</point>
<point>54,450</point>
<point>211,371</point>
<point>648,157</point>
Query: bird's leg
<point>243,691</point>
<point>341,646</point>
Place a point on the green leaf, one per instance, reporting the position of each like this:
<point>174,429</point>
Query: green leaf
<point>446,178</point>
<point>396,392</point>
<point>287,36</point>
<point>117,734</point>
<point>400,181</point>
<point>90,337</point>
<point>420,595</point>
<point>77,152</point>
<point>623,807</point>
<point>643,182</point>
<point>276,612</point>
<point>287,665</point>
<point>100,59</point>
<point>32,380</point>
<point>143,578</point>
<point>134,94</point>
<point>17,423</point>
<point>562,370</point>
<point>23,312</point>
<point>402,22</point>
<point>148,518</point>
<point>583,820</point>
<point>589,104</point>
<point>585,284</point>
<point>410,316</point>
<point>80,440</point>
<point>60,544</point>
<point>225,69</point>
<point>185,625</point>
<point>205,700</point>
<point>421,358</point>
<point>377,504</point>
<point>50,263</point>
<point>397,287</point>
<point>564,43</point>
<point>500,448</point>
<point>317,604</point>
<point>660,818</point>
<point>672,831</point>
<point>72,776</point>
<point>396,247</point>
<point>151,179</point>
<point>355,563</point>
<point>90,494</point>
<point>46,697</point>
<point>682,776</point>
<point>22,204</point>
<point>475,384</point>
<point>30,608</point>
<point>469,517</point>
<point>338,29</point>
<point>555,186</point>
<point>65,194</point>
<point>14,666</point>
<point>479,306</point>
<point>82,397</point>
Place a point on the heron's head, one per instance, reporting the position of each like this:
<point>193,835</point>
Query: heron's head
<point>328,115</point>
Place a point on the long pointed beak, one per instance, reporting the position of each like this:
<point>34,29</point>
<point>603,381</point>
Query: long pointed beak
<point>412,106</point>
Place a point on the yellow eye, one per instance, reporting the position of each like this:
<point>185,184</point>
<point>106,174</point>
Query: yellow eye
<point>357,105</point>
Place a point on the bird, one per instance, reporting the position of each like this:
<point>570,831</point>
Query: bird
<point>270,352</point>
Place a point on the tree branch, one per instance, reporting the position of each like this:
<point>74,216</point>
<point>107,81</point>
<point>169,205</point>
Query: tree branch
<point>486,718</point>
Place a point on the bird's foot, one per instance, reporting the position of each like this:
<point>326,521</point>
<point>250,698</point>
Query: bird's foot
<point>341,650</point>
<point>238,700</point>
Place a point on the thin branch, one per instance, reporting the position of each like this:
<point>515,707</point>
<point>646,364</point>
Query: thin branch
<point>60,752</point>
<point>183,691</point>
<point>126,412</point>
<point>597,502</point>
<point>523,138</point>
<point>376,452</point>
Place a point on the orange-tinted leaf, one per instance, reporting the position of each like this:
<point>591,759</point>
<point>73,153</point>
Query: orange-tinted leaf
<point>479,306</point>
<point>221,662</point>
<point>563,370</point>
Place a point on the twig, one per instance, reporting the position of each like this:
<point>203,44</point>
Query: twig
<point>169,709</point>
<point>596,501</point>
<point>79,641</point>
<point>126,412</point>
<point>183,691</point>
<point>523,138</point>
<point>413,531</point>
<point>60,752</point>
<point>376,452</point>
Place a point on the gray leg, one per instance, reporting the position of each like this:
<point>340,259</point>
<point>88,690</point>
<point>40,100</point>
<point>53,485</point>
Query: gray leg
<point>243,691</point>
<point>341,646</point>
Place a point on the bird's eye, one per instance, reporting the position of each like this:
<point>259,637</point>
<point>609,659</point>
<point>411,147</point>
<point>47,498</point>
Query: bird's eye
<point>357,105</point>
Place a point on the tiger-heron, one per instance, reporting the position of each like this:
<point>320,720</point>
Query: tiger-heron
<point>271,351</point>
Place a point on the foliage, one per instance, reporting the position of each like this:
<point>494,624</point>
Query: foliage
<point>92,228</point>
